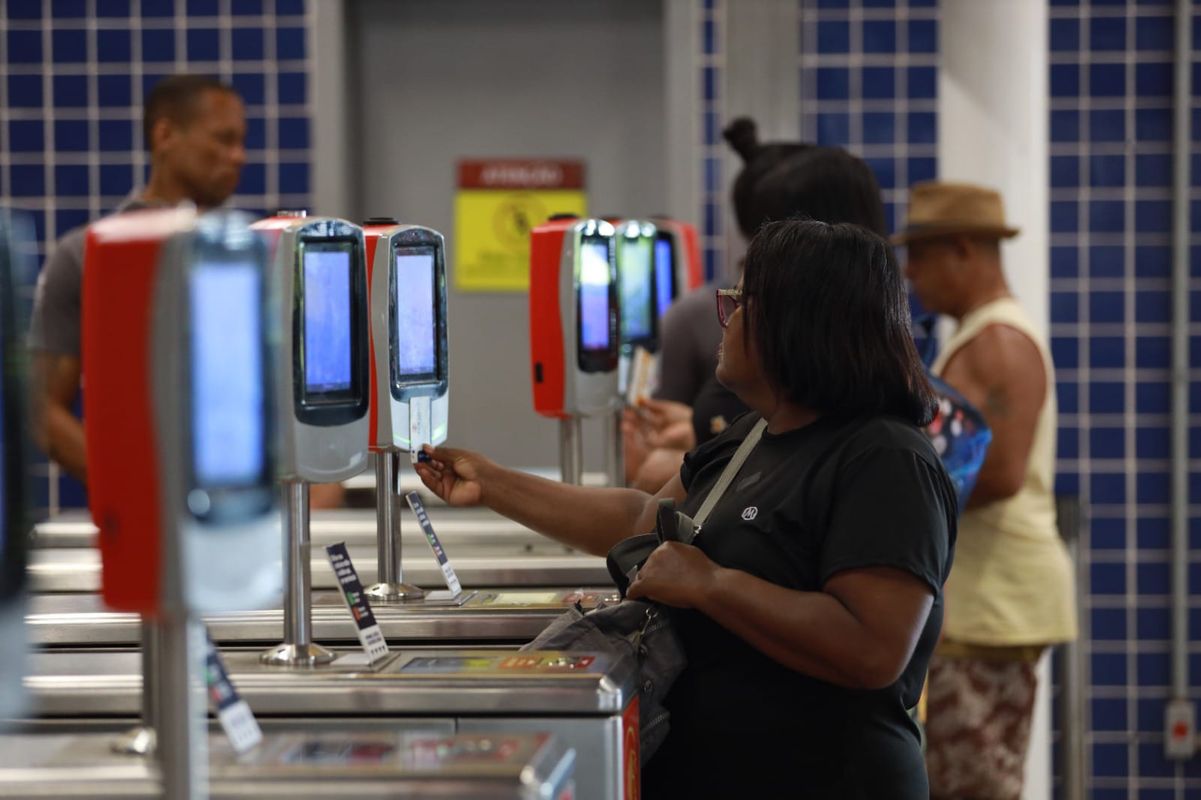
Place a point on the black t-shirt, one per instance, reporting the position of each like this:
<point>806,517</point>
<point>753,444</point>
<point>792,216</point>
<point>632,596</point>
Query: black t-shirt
<point>807,504</point>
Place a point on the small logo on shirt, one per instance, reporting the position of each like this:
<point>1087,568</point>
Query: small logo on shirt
<point>750,512</point>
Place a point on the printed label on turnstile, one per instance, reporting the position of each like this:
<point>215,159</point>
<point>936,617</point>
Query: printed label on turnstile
<point>370,635</point>
<point>448,572</point>
<point>420,424</point>
<point>235,716</point>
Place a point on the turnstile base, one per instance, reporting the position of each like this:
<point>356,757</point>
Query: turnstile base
<point>311,766</point>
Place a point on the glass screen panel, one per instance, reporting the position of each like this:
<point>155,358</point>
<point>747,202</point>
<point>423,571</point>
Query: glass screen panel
<point>665,275</point>
<point>4,455</point>
<point>594,294</point>
<point>227,375</point>
<point>415,351</point>
<point>328,318</point>
<point>637,289</point>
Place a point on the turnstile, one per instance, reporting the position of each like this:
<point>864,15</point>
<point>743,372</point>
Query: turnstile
<point>463,531</point>
<point>587,700</point>
<point>488,616</point>
<point>500,766</point>
<point>78,570</point>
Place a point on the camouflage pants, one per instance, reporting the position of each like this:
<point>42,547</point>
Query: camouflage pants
<point>978,727</point>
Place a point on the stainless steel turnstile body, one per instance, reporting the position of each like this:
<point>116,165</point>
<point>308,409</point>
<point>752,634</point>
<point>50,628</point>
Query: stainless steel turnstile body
<point>503,766</point>
<point>589,701</point>
<point>489,616</point>
<point>463,531</point>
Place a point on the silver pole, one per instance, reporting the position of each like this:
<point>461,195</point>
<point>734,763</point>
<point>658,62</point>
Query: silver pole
<point>1073,755</point>
<point>298,648</point>
<point>1180,719</point>
<point>140,740</point>
<point>571,450</point>
<point>391,586</point>
<point>182,732</point>
<point>615,451</point>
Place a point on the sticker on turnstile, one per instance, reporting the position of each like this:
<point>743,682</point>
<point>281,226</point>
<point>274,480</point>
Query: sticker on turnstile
<point>448,572</point>
<point>370,635</point>
<point>235,716</point>
<point>419,426</point>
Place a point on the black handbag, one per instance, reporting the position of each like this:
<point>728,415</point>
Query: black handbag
<point>639,629</point>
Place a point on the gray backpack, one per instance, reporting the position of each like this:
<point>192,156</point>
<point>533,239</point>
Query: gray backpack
<point>637,629</point>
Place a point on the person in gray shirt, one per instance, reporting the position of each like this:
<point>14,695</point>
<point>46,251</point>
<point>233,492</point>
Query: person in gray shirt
<point>195,129</point>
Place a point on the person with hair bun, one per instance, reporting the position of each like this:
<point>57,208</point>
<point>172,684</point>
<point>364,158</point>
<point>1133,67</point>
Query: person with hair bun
<point>778,181</point>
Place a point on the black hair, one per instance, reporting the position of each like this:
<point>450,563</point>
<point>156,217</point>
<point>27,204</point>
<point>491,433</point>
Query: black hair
<point>782,180</point>
<point>174,98</point>
<point>827,310</point>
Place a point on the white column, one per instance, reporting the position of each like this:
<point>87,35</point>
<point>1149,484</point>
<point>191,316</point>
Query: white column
<point>331,109</point>
<point>992,124</point>
<point>682,108</point>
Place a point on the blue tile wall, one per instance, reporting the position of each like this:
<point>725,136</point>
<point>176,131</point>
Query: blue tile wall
<point>1111,171</point>
<point>73,74</point>
<point>869,83</point>
<point>712,148</point>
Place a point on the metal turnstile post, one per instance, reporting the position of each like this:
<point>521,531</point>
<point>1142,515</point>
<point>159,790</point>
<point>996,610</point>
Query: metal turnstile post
<point>140,740</point>
<point>391,586</point>
<point>298,648</point>
<point>182,730</point>
<point>571,450</point>
<point>1073,751</point>
<point>615,451</point>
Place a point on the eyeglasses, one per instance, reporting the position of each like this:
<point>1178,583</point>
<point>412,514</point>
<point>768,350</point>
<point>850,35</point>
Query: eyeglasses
<point>728,301</point>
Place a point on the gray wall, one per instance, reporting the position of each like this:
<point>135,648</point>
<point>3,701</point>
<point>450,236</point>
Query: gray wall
<point>440,80</point>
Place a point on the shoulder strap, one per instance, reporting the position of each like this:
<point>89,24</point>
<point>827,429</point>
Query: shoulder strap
<point>729,473</point>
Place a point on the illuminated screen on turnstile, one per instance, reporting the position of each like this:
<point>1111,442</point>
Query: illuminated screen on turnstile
<point>415,328</point>
<point>228,437</point>
<point>637,280</point>
<point>665,274</point>
<point>595,276</point>
<point>328,320</point>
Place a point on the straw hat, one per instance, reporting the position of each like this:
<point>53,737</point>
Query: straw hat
<point>944,209</point>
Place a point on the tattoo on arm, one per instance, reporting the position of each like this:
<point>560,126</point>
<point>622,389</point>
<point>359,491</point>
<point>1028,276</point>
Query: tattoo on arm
<point>996,402</point>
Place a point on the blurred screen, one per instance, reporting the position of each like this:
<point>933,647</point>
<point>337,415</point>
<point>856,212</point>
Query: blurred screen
<point>415,352</point>
<point>327,317</point>
<point>665,275</point>
<point>4,377</point>
<point>594,294</point>
<point>227,375</point>
<point>637,289</point>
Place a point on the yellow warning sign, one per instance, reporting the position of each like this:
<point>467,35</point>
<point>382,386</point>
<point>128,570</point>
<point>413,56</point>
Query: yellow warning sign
<point>497,205</point>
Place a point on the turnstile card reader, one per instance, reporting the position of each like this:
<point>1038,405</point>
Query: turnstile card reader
<point>574,337</point>
<point>324,371</point>
<point>636,274</point>
<point>178,357</point>
<point>677,261</point>
<point>178,412</point>
<point>324,385</point>
<point>406,272</point>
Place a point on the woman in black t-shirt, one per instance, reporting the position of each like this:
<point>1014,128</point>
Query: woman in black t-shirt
<point>810,602</point>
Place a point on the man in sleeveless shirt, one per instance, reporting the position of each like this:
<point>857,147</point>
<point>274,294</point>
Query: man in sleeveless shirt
<point>1010,593</point>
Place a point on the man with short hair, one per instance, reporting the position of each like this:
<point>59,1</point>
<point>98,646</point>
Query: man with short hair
<point>1010,593</point>
<point>195,127</point>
